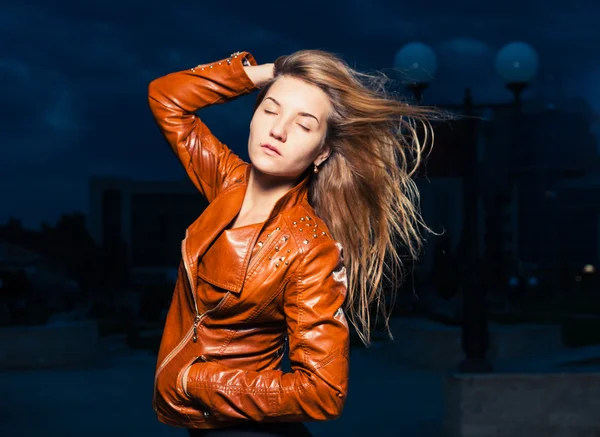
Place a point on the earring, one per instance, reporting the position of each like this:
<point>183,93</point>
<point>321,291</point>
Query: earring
<point>316,169</point>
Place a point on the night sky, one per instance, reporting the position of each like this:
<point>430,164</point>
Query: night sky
<point>74,75</point>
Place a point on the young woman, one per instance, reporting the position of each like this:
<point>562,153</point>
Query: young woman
<point>290,243</point>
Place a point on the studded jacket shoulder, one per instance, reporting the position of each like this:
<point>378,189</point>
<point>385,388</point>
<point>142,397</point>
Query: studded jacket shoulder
<point>286,285</point>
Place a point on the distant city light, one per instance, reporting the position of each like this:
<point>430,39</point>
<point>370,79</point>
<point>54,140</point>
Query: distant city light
<point>588,268</point>
<point>532,281</point>
<point>513,281</point>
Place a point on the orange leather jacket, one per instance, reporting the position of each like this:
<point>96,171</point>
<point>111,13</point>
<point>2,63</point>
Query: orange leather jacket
<point>286,280</point>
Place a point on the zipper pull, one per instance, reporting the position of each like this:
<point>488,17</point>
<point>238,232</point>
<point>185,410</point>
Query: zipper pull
<point>196,320</point>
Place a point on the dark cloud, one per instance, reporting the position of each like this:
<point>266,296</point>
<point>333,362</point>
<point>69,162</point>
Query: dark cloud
<point>74,76</point>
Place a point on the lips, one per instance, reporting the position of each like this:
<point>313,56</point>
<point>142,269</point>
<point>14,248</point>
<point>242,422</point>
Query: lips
<point>272,148</point>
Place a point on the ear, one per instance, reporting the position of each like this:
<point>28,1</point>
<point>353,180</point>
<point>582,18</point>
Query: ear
<point>322,156</point>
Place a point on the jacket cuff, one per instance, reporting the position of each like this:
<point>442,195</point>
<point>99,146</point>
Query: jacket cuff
<point>235,63</point>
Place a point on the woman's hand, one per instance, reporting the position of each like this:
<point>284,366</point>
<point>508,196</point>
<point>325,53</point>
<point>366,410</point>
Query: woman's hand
<point>260,74</point>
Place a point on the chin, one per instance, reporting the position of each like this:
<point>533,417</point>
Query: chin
<point>267,168</point>
<point>272,168</point>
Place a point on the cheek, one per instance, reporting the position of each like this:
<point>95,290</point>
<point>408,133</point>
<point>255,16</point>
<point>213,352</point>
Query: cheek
<point>252,132</point>
<point>255,126</point>
<point>305,155</point>
<point>315,147</point>
<point>252,123</point>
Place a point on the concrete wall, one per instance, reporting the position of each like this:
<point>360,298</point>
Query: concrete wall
<point>523,405</point>
<point>431,345</point>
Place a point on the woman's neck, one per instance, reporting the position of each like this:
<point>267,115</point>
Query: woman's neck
<point>264,191</point>
<point>262,194</point>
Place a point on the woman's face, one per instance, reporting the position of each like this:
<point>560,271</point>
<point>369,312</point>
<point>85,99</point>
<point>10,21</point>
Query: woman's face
<point>292,119</point>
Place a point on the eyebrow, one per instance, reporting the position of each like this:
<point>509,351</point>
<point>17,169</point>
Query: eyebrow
<point>304,114</point>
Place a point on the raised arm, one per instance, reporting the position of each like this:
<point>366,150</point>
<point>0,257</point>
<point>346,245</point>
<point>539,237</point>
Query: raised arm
<point>173,100</point>
<point>319,345</point>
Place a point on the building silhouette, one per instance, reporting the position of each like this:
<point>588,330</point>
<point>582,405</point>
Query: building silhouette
<point>140,225</point>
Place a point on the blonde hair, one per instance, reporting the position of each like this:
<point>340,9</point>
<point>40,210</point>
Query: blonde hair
<point>364,190</point>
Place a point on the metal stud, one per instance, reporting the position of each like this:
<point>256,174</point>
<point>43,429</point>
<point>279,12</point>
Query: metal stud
<point>314,235</point>
<point>286,238</point>
<point>305,241</point>
<point>268,235</point>
<point>301,219</point>
<point>276,248</point>
<point>277,229</point>
<point>260,244</point>
<point>270,258</point>
<point>281,259</point>
<point>300,229</point>
<point>277,265</point>
<point>294,223</point>
<point>287,263</point>
<point>308,218</point>
<point>289,251</point>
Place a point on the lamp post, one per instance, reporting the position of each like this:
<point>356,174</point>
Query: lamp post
<point>475,336</point>
<point>418,63</point>
<point>516,63</point>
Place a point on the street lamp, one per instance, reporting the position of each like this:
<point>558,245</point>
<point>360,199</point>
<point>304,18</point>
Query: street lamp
<point>418,63</point>
<point>516,63</point>
<point>475,334</point>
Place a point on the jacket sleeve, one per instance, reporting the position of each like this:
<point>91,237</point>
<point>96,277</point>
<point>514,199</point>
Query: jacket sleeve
<point>316,388</point>
<point>174,98</point>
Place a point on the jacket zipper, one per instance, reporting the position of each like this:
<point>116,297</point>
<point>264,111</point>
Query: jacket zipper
<point>174,352</point>
<point>189,276</point>
<point>193,331</point>
<point>189,333</point>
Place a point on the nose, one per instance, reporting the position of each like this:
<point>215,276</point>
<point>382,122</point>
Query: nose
<point>279,131</point>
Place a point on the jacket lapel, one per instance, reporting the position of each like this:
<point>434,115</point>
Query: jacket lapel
<point>203,232</point>
<point>217,216</point>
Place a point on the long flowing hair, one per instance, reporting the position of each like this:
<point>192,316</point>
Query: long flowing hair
<point>364,191</point>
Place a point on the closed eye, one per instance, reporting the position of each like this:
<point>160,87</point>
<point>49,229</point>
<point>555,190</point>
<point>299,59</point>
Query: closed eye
<point>304,127</point>
<point>269,112</point>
